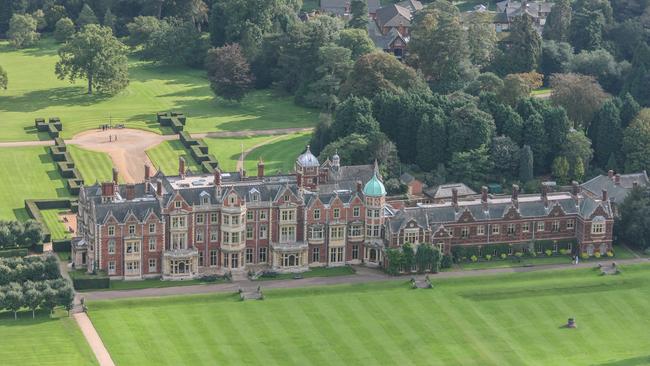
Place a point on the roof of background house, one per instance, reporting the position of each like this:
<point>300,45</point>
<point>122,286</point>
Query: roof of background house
<point>443,191</point>
<point>383,41</point>
<point>411,5</point>
<point>393,16</point>
<point>338,6</point>
<point>616,193</point>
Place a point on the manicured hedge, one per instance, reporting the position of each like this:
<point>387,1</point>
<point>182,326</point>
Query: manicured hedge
<point>21,252</point>
<point>91,283</point>
<point>34,207</point>
<point>61,246</point>
<point>66,166</point>
<point>53,126</point>
<point>198,149</point>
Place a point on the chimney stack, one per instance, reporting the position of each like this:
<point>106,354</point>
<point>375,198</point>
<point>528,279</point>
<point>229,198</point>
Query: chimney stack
<point>635,184</point>
<point>181,167</point>
<point>217,177</point>
<point>575,188</point>
<point>454,198</point>
<point>617,179</point>
<point>359,189</point>
<point>108,191</point>
<point>147,177</point>
<point>545,195</point>
<point>605,195</point>
<point>515,195</point>
<point>130,191</point>
<point>484,197</point>
<point>260,168</point>
<point>116,175</point>
<point>610,174</point>
<point>159,189</point>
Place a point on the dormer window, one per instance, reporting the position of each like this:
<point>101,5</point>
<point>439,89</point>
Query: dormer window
<point>177,204</point>
<point>286,197</point>
<point>206,200</point>
<point>231,199</point>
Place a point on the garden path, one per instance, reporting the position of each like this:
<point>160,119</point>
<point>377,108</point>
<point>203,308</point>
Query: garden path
<point>95,342</point>
<point>362,275</point>
<point>242,157</point>
<point>26,143</point>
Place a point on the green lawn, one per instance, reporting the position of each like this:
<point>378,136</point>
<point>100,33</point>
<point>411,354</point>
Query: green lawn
<point>94,166</point>
<point>314,272</point>
<point>511,319</point>
<point>42,341</point>
<point>57,228</point>
<point>278,155</point>
<point>541,91</point>
<point>27,172</point>
<point>154,283</point>
<point>227,150</point>
<point>165,156</point>
<point>34,91</point>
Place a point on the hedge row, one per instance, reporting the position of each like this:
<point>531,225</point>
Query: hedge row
<point>461,252</point>
<point>86,283</point>
<point>66,166</point>
<point>62,246</point>
<point>175,120</point>
<point>34,207</point>
<point>53,126</point>
<point>21,252</point>
<point>198,148</point>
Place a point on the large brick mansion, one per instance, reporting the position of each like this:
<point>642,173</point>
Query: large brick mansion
<point>323,214</point>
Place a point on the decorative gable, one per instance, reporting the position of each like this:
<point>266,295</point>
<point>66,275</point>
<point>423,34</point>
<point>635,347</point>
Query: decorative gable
<point>466,216</point>
<point>512,214</point>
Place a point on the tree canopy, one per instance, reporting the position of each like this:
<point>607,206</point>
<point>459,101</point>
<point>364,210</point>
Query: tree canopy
<point>228,71</point>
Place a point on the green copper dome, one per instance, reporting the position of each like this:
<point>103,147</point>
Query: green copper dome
<point>374,187</point>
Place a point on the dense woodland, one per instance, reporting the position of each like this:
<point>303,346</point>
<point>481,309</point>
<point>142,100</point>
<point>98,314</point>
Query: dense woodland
<point>459,108</point>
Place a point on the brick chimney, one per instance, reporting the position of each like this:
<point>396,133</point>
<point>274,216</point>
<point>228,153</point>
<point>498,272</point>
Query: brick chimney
<point>617,179</point>
<point>159,189</point>
<point>116,176</point>
<point>575,188</point>
<point>359,186</point>
<point>130,191</point>
<point>610,174</point>
<point>108,191</point>
<point>454,198</point>
<point>147,177</point>
<point>545,195</point>
<point>605,195</point>
<point>217,177</point>
<point>181,167</point>
<point>484,197</point>
<point>515,195</point>
<point>260,168</point>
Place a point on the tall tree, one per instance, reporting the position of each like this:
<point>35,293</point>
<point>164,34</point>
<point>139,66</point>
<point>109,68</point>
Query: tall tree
<point>633,227</point>
<point>438,46</point>
<point>560,169</point>
<point>578,151</point>
<point>558,21</point>
<point>109,19</point>
<point>557,126</point>
<point>357,41</point>
<point>141,29</point>
<point>587,28</point>
<point>601,65</point>
<point>629,109</point>
<point>86,16</point>
<point>472,166</point>
<point>4,80</point>
<point>96,55</point>
<point>431,141</point>
<point>358,14</point>
<point>606,133</point>
<point>638,78</point>
<point>198,11</point>
<point>354,115</point>
<point>228,71</point>
<point>535,136</point>
<point>63,30</point>
<point>580,95</point>
<point>555,58</point>
<point>636,143</point>
<point>526,164</point>
<point>335,65</point>
<point>22,30</point>
<point>525,45</point>
<point>481,39</point>
<point>176,42</point>
<point>380,71</point>
<point>469,128</point>
<point>505,156</point>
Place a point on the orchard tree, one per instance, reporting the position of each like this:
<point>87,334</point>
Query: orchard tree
<point>22,30</point>
<point>558,22</point>
<point>32,300</point>
<point>228,71</point>
<point>86,16</point>
<point>64,29</point>
<point>97,56</point>
<point>14,301</point>
<point>358,14</point>
<point>4,80</point>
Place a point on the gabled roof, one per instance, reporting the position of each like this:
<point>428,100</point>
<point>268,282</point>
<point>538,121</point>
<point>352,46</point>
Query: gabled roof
<point>616,193</point>
<point>338,6</point>
<point>393,16</point>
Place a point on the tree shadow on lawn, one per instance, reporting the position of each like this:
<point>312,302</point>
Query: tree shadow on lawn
<point>54,97</point>
<point>21,214</point>
<point>633,361</point>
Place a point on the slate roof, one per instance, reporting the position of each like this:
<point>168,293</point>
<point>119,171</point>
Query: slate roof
<point>393,16</point>
<point>443,191</point>
<point>411,5</point>
<point>383,41</point>
<point>338,6</point>
<point>616,193</point>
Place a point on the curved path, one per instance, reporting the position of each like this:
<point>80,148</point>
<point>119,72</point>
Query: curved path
<point>242,157</point>
<point>127,151</point>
